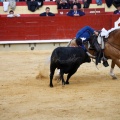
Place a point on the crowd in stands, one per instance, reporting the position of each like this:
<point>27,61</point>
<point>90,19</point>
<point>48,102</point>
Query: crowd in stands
<point>11,3</point>
<point>74,12</point>
<point>68,4</point>
<point>73,5</point>
<point>33,5</point>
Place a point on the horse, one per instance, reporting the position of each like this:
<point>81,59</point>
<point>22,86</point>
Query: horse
<point>111,50</point>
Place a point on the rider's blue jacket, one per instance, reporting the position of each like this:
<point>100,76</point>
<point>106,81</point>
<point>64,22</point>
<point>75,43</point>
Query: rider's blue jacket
<point>85,32</point>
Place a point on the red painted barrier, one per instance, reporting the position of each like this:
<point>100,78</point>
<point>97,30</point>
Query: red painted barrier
<point>46,28</point>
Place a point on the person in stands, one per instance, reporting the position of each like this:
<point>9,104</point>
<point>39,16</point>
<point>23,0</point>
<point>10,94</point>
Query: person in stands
<point>12,4</point>
<point>75,12</point>
<point>11,14</point>
<point>5,5</point>
<point>86,3</point>
<point>47,13</point>
<point>62,4</point>
<point>118,10</point>
<point>75,2</point>
<point>33,5</point>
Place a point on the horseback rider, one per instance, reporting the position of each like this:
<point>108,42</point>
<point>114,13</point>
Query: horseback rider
<point>86,34</point>
<point>82,36</point>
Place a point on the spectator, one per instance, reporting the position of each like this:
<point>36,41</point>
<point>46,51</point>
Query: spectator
<point>118,9</point>
<point>63,4</point>
<point>75,12</point>
<point>12,4</point>
<point>99,2</point>
<point>5,5</point>
<point>47,13</point>
<point>116,2</point>
<point>109,3</point>
<point>86,3</point>
<point>34,5</point>
<point>75,2</point>
<point>11,14</point>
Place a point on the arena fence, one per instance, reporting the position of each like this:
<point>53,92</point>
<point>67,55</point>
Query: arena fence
<point>58,29</point>
<point>47,28</point>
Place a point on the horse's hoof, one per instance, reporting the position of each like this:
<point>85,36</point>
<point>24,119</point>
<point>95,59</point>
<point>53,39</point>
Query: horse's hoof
<point>114,77</point>
<point>67,83</point>
<point>51,86</point>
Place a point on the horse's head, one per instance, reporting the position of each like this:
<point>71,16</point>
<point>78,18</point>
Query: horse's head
<point>90,44</point>
<point>93,41</point>
<point>93,45</point>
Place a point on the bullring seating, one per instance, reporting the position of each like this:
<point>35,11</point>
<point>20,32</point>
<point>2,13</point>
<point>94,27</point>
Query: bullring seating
<point>23,10</point>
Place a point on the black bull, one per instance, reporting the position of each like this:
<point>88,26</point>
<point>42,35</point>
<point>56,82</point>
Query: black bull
<point>68,60</point>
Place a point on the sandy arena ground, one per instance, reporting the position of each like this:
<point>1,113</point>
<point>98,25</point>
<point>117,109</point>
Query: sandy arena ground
<point>91,94</point>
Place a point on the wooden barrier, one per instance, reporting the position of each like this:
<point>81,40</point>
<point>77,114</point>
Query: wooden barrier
<point>46,28</point>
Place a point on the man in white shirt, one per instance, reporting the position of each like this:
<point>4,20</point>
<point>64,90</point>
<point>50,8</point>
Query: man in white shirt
<point>11,14</point>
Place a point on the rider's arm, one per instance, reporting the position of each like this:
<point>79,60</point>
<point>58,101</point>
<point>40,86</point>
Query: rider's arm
<point>83,30</point>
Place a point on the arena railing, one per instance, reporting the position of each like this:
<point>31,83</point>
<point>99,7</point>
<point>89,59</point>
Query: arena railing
<point>46,29</point>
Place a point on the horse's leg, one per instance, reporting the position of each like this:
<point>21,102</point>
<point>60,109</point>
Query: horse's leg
<point>112,69</point>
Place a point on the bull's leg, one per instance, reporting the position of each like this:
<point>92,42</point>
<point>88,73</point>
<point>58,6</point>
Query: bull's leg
<point>62,77</point>
<point>52,70</point>
<point>51,77</point>
<point>69,75</point>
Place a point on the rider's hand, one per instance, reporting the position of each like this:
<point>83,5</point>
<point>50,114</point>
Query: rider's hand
<point>96,33</point>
